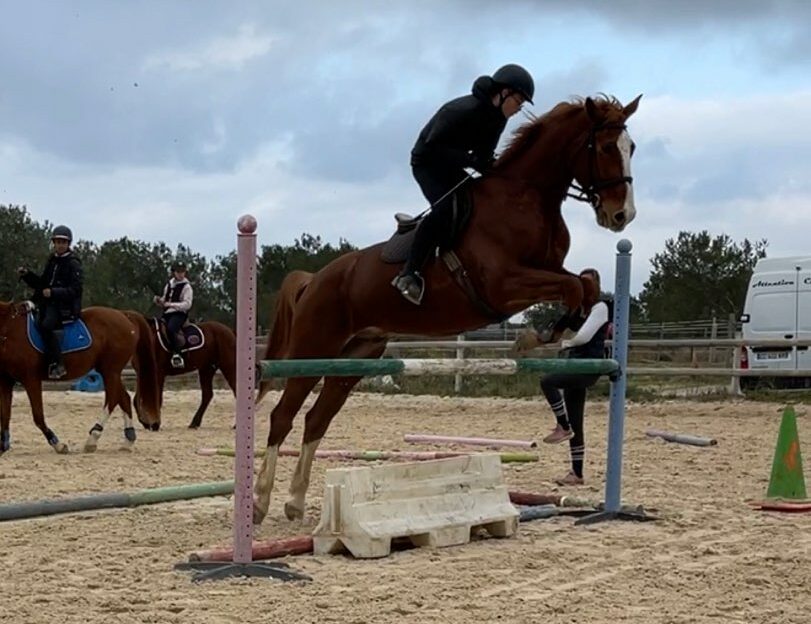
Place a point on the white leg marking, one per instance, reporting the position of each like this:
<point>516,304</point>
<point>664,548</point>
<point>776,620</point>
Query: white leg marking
<point>294,508</point>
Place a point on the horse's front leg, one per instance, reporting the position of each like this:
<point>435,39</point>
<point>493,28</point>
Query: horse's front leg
<point>522,287</point>
<point>33,388</point>
<point>6,394</point>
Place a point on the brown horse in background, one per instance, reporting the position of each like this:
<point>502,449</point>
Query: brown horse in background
<point>218,352</point>
<point>115,342</point>
<point>509,256</point>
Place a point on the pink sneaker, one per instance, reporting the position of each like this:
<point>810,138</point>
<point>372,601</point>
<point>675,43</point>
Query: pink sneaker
<point>570,479</point>
<point>558,435</point>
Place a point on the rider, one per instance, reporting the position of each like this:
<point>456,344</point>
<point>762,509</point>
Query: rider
<point>58,295</point>
<point>176,302</point>
<point>463,133</point>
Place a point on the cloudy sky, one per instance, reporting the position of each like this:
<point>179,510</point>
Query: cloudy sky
<point>167,120</point>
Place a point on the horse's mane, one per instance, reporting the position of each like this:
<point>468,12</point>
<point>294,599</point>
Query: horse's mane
<point>527,133</point>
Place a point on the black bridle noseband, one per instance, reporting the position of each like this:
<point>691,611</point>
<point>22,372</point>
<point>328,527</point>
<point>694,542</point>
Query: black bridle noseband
<point>590,192</point>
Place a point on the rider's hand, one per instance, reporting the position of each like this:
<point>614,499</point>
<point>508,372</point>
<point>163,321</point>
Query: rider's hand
<point>46,292</point>
<point>157,300</point>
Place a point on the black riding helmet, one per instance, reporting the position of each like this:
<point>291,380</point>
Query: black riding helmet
<point>516,78</point>
<point>179,266</point>
<point>62,232</point>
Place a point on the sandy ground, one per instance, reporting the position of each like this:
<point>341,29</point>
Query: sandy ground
<point>707,559</point>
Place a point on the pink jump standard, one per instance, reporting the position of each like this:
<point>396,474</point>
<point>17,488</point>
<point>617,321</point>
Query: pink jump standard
<point>243,564</point>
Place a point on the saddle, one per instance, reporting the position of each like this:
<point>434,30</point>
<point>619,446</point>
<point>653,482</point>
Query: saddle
<point>395,250</point>
<point>190,337</point>
<point>75,335</point>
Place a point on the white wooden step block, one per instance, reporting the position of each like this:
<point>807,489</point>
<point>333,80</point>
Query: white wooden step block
<point>433,503</point>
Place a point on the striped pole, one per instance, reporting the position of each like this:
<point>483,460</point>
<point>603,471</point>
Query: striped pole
<point>351,367</point>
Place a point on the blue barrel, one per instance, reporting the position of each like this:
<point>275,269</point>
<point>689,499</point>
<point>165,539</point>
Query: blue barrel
<point>91,382</point>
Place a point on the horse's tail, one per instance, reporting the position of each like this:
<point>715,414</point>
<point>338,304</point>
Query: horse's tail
<point>292,288</point>
<point>145,365</point>
<point>226,354</point>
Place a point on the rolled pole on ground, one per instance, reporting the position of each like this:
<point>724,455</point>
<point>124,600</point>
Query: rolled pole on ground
<point>418,438</point>
<point>49,507</point>
<point>681,438</point>
<point>507,458</point>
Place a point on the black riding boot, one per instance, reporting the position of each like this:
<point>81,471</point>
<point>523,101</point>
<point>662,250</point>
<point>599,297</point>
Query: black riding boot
<point>409,282</point>
<point>56,366</point>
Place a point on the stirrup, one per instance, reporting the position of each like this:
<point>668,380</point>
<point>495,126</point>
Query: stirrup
<point>177,361</point>
<point>411,287</point>
<point>56,371</point>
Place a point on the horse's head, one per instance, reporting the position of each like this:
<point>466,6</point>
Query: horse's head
<point>602,166</point>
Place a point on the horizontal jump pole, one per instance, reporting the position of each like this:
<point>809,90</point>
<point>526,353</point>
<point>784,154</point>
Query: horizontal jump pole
<point>49,507</point>
<point>371,455</point>
<point>418,438</point>
<point>681,438</point>
<point>354,367</point>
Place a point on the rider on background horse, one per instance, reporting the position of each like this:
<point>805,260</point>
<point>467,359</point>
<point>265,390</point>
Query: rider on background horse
<point>176,302</point>
<point>462,134</point>
<point>58,296</point>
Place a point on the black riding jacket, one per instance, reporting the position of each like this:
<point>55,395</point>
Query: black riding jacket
<point>63,275</point>
<point>463,133</point>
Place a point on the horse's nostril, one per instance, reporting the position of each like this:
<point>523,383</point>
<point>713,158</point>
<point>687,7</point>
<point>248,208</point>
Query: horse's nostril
<point>619,218</point>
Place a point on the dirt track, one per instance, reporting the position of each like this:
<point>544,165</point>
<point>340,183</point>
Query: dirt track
<point>708,559</point>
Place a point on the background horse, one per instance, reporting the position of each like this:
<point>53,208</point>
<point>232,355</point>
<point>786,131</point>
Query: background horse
<point>115,341</point>
<point>509,256</point>
<point>217,353</point>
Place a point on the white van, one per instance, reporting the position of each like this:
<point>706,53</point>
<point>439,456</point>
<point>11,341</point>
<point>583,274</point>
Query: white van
<point>778,307</point>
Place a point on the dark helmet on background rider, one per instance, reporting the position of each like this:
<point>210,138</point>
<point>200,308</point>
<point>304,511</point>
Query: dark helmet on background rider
<point>516,78</point>
<point>62,232</point>
<point>178,266</point>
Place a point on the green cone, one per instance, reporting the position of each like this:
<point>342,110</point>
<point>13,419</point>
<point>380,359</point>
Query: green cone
<point>787,481</point>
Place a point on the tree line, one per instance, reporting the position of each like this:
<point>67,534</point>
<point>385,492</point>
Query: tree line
<point>696,276</point>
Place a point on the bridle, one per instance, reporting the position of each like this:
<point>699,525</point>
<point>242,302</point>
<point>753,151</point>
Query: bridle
<point>590,193</point>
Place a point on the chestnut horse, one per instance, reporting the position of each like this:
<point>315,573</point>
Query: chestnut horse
<point>115,341</point>
<point>508,257</point>
<point>217,353</point>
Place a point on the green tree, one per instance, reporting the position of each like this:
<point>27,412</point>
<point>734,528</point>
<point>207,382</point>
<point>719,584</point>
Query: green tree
<point>698,276</point>
<point>23,242</point>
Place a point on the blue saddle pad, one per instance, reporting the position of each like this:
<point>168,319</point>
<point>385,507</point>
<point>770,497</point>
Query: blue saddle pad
<point>76,336</point>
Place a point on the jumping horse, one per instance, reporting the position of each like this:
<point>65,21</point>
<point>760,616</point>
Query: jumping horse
<point>113,342</point>
<point>507,257</point>
<point>210,346</point>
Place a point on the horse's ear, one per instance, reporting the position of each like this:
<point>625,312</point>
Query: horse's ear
<point>593,113</point>
<point>630,109</point>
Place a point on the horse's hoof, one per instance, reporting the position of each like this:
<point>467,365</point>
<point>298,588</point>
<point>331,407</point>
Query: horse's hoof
<point>258,515</point>
<point>90,447</point>
<point>194,425</point>
<point>125,446</point>
<point>61,448</point>
<point>292,511</point>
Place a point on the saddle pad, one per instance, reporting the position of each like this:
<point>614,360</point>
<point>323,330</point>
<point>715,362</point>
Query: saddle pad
<point>195,339</point>
<point>76,336</point>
